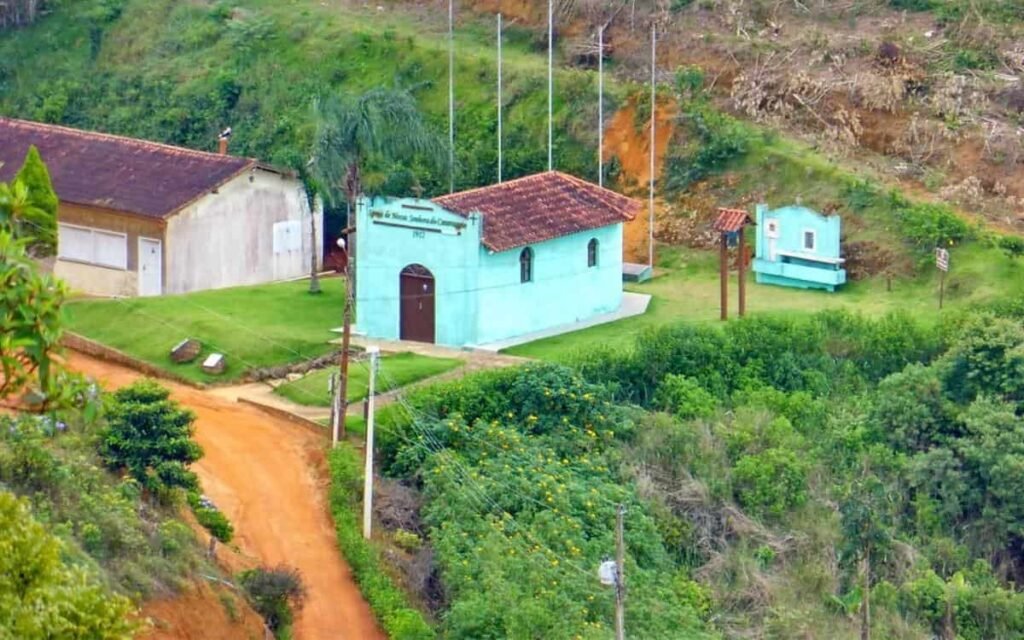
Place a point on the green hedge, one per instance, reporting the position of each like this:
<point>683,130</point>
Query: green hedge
<point>400,620</point>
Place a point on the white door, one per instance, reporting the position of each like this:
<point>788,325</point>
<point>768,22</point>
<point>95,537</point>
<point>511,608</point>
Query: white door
<point>150,267</point>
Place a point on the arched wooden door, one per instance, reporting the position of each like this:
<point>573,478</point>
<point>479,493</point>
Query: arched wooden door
<point>417,304</point>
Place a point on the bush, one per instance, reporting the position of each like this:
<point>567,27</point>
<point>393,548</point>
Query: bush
<point>151,436</point>
<point>1013,246</point>
<point>274,594</point>
<point>212,519</point>
<point>720,141</point>
<point>390,605</point>
<point>683,397</point>
<point>771,482</point>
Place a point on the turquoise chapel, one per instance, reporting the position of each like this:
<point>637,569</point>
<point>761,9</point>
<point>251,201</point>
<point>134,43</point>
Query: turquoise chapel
<point>798,247</point>
<point>489,264</point>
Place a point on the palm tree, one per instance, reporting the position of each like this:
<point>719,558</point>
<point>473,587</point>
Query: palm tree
<point>381,125</point>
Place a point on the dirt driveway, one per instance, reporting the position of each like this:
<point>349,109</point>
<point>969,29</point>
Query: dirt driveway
<point>268,476</point>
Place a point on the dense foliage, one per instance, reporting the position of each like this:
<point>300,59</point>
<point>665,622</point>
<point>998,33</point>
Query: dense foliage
<point>40,596</point>
<point>521,476</point>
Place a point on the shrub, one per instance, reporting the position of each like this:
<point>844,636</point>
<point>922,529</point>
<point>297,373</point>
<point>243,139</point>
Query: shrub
<point>683,397</point>
<point>389,604</point>
<point>151,436</point>
<point>212,519</point>
<point>274,593</point>
<point>720,141</point>
<point>1012,246</point>
<point>771,482</point>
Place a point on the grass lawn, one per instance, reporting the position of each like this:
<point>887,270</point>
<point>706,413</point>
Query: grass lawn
<point>396,371</point>
<point>686,290</point>
<point>255,326</point>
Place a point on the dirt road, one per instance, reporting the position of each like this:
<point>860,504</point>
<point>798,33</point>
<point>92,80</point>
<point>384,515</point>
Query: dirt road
<point>268,477</point>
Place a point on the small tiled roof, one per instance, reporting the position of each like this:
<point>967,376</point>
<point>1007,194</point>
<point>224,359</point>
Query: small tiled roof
<point>539,207</point>
<point>124,174</point>
<point>731,220</point>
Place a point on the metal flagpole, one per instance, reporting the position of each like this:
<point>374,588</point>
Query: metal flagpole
<point>650,218</point>
<point>499,98</point>
<point>600,106</point>
<point>451,96</point>
<point>551,81</point>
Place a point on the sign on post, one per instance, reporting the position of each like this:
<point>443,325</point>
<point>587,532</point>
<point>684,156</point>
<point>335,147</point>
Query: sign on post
<point>942,262</point>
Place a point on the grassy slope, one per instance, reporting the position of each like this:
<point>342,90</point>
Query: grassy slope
<point>778,172</point>
<point>178,72</point>
<point>396,371</point>
<point>253,326</point>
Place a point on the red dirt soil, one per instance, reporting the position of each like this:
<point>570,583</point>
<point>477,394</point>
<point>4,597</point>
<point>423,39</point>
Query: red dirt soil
<point>199,613</point>
<point>633,149</point>
<point>269,478</point>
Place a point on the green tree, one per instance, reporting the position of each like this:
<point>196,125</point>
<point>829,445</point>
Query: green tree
<point>41,210</point>
<point>30,323</point>
<point>40,597</point>
<point>151,436</point>
<point>866,518</point>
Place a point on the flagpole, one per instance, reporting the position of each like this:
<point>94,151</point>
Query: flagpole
<point>600,106</point>
<point>551,82</point>
<point>650,221</point>
<point>451,96</point>
<point>499,98</point>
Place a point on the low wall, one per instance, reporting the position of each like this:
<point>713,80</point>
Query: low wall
<point>89,347</point>
<point>308,425</point>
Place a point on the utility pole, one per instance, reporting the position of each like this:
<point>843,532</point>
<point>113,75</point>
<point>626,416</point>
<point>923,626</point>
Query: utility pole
<point>340,404</point>
<point>368,474</point>
<point>620,575</point>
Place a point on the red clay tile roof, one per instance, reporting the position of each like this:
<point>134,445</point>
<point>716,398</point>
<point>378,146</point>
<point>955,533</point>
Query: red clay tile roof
<point>539,207</point>
<point>731,220</point>
<point>124,174</point>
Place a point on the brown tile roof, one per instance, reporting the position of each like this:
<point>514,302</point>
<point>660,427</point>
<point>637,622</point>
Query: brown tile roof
<point>539,207</point>
<point>731,220</point>
<point>124,174</point>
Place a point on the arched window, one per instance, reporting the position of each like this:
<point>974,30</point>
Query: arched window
<point>526,265</point>
<point>592,253</point>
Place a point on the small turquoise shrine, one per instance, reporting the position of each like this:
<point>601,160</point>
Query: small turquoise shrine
<point>798,247</point>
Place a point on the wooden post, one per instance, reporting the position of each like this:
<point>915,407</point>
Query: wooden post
<point>741,272</point>
<point>723,260</point>
<point>942,287</point>
<point>338,427</point>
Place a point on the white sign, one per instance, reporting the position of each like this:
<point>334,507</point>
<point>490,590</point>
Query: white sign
<point>942,259</point>
<point>606,572</point>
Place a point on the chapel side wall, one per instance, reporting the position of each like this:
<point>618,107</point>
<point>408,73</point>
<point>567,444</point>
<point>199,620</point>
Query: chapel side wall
<point>226,238</point>
<point>564,290</point>
<point>383,251</point>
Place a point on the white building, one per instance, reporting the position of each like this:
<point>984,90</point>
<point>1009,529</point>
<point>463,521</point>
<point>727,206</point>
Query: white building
<point>142,218</point>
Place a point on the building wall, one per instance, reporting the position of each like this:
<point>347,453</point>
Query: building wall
<point>106,281</point>
<point>226,238</point>
<point>479,297</point>
<point>802,268</point>
<point>452,256</point>
<point>564,289</point>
